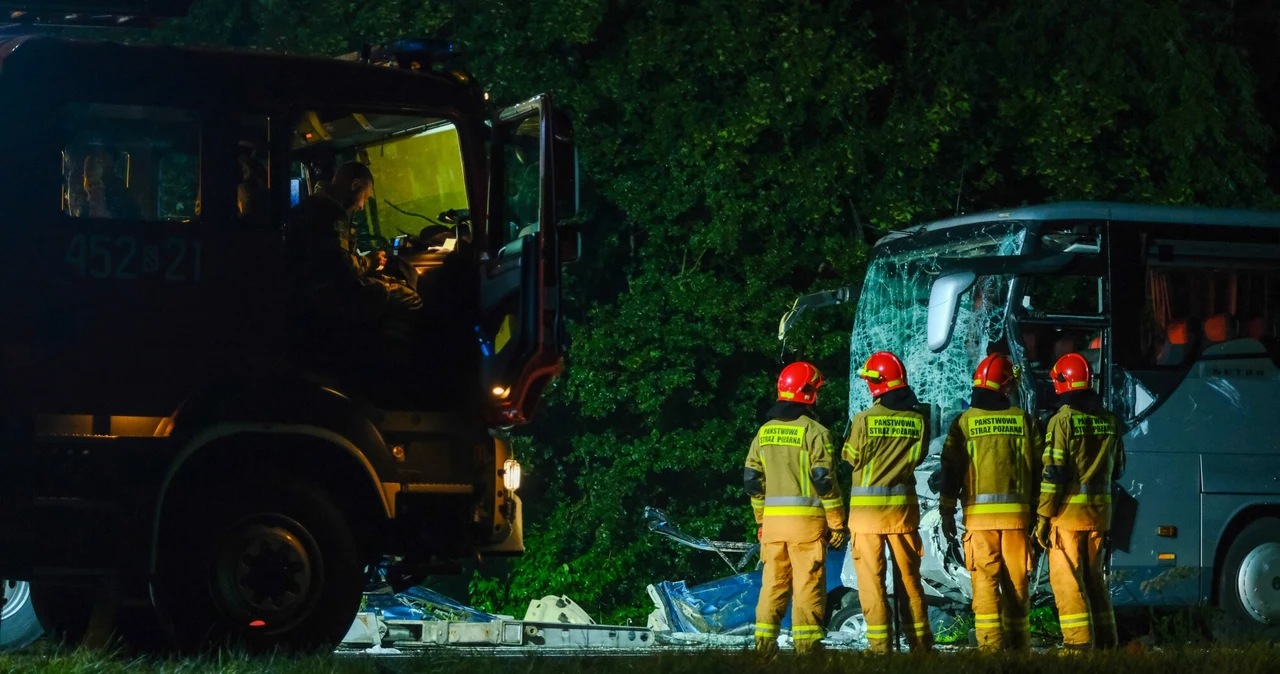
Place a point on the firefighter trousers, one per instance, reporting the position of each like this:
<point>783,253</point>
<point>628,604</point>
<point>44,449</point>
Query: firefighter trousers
<point>792,569</point>
<point>999,561</point>
<point>870,565</point>
<point>1080,589</point>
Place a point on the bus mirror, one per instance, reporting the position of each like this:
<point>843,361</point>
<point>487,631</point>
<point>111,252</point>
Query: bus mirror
<point>570,243</point>
<point>944,304</point>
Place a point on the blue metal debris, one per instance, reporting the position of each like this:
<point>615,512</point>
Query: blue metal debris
<point>420,603</point>
<point>728,605</point>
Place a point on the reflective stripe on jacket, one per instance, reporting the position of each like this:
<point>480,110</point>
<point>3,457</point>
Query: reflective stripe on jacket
<point>991,463</point>
<point>885,446</point>
<point>798,496</point>
<point>1083,455</point>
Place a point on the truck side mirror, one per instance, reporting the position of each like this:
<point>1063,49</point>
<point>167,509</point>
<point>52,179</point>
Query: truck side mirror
<point>944,305</point>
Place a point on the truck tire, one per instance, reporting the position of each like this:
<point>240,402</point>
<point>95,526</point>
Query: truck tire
<point>19,626</point>
<point>1249,584</point>
<point>259,565</point>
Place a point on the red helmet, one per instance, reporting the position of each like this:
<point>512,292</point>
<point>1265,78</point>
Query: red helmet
<point>1071,373</point>
<point>884,372</point>
<point>799,383</point>
<point>993,372</point>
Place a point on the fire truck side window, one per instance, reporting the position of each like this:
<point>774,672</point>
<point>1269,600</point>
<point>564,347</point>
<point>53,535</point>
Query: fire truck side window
<point>124,162</point>
<point>416,164</point>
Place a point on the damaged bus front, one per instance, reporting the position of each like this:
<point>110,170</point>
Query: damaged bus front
<point>1176,309</point>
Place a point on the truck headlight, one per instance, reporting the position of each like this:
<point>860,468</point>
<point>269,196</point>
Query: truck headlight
<point>511,474</point>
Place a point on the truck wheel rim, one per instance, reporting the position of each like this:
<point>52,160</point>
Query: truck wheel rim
<point>1258,583</point>
<point>16,595</point>
<point>266,575</point>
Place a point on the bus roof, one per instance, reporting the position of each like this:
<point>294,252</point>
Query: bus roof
<point>1103,210</point>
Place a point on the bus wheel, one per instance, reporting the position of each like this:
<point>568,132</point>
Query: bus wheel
<point>267,564</point>
<point>1249,585</point>
<point>18,624</point>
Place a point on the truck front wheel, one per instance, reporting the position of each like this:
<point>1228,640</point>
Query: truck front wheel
<point>265,564</point>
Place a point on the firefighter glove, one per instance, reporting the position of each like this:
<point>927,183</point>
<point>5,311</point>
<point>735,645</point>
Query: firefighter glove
<point>759,533</point>
<point>948,524</point>
<point>1042,532</point>
<point>951,536</point>
<point>838,538</point>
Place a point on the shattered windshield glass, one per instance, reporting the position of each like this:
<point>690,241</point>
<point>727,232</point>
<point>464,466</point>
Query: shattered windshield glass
<point>892,315</point>
<point>893,312</point>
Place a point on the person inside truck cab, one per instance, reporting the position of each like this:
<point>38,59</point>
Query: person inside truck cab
<point>321,241</point>
<point>105,194</point>
<point>252,194</point>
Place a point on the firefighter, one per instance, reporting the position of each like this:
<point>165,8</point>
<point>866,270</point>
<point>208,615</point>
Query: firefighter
<point>1083,455</point>
<point>990,461</point>
<point>886,443</point>
<point>790,477</point>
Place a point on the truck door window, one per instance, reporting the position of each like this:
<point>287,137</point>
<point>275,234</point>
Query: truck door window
<point>522,167</point>
<point>124,162</point>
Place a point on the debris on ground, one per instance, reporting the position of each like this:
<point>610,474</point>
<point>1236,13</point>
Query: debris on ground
<point>553,609</point>
<point>716,614</point>
<point>726,606</point>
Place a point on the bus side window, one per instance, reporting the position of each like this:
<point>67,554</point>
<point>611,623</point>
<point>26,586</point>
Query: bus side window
<point>1200,294</point>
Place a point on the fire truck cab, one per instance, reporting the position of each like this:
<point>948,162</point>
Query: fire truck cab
<point>181,437</point>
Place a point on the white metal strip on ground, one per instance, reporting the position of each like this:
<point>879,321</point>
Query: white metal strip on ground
<point>370,631</point>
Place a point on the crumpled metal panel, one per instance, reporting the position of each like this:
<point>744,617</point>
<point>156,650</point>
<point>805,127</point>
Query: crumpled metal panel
<point>420,603</point>
<point>728,605</point>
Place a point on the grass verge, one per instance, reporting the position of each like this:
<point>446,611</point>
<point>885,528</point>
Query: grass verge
<point>1237,660</point>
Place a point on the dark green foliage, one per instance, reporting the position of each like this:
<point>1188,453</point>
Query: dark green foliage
<point>734,149</point>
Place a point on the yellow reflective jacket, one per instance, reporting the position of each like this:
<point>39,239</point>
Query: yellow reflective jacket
<point>884,447</point>
<point>991,461</point>
<point>790,476</point>
<point>1083,454</point>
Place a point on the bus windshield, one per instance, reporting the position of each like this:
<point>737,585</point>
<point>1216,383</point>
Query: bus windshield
<point>893,311</point>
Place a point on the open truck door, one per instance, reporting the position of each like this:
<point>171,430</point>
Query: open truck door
<point>533,186</point>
